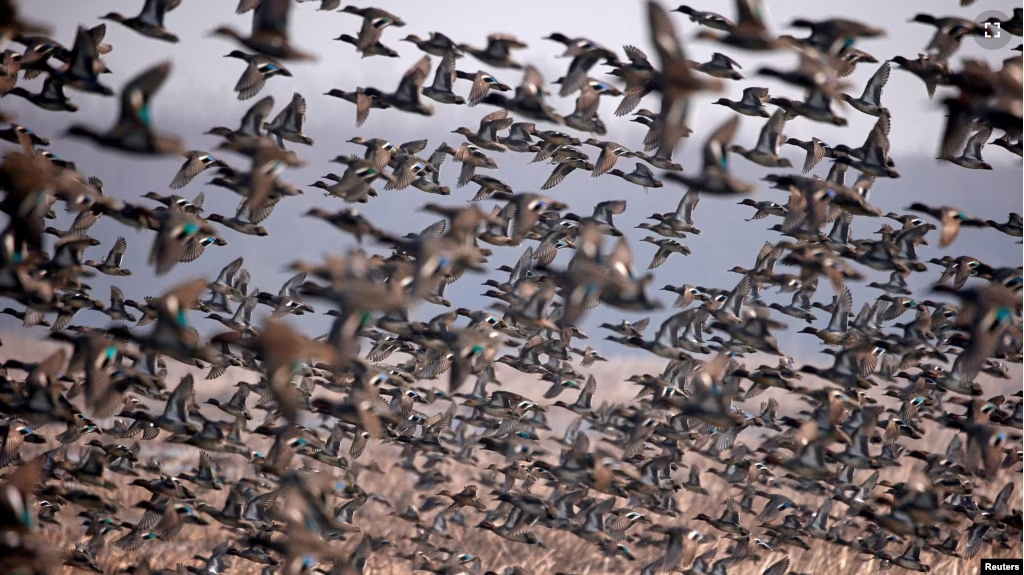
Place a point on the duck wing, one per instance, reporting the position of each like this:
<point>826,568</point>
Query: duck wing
<point>152,13</point>
<point>135,115</point>
<point>768,140</point>
<point>976,143</point>
<point>873,90</point>
<point>271,19</point>
<point>676,76</point>
<point>116,254</point>
<point>750,18</point>
<point>252,120</point>
<point>723,61</point>
<point>687,204</point>
<point>412,81</point>
<point>295,114</point>
<point>754,96</point>
<point>716,147</point>
<point>444,76</point>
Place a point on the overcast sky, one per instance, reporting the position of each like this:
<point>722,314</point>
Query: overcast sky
<point>199,95</point>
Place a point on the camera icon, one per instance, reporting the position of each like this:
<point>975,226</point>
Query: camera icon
<point>998,29</point>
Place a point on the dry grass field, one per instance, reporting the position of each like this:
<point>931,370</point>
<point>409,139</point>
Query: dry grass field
<point>565,553</point>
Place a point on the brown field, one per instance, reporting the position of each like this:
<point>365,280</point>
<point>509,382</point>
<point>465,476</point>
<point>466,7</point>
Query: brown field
<point>566,552</point>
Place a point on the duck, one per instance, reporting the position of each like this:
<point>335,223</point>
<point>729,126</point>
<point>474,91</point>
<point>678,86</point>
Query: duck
<point>816,151</point>
<point>84,66</point>
<point>486,137</point>
<point>875,159</point>
<point>471,157</point>
<point>816,107</point>
<point>766,153</point>
<point>149,22</point>
<point>238,224</point>
<point>133,133</point>
<point>14,134</point>
<point>498,52</point>
<point>751,104</point>
<point>444,80</point>
<point>259,68</point>
<point>932,71</point>
<point>640,176</point>
<point>375,21</point>
<point>729,522</point>
<point>610,152</point>
<point>407,97</point>
<point>269,32</point>
<point>950,220</point>
<point>584,117</point>
<point>870,101</point>
<point>837,328</point>
<point>711,20</point>
<point>910,559</point>
<point>196,162</point>
<point>482,84</point>
<point>288,124</point>
<point>1012,227</point>
<point>764,209</point>
<point>51,97</point>
<point>715,177</point>
<point>111,265</point>
<point>562,169</point>
<point>585,53</point>
<point>677,82</point>
<point>971,156</point>
<point>364,102</point>
<point>435,44</point>
<point>720,66</point>
<point>528,101</point>
<point>666,247</point>
<point>355,184</point>
<point>176,230</point>
<point>750,32</point>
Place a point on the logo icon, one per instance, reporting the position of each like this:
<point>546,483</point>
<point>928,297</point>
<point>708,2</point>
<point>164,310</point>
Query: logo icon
<point>993,37</point>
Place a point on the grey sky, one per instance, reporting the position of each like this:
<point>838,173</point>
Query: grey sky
<point>198,96</point>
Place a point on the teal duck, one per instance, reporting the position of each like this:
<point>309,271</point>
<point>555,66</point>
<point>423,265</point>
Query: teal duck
<point>715,177</point>
<point>133,132</point>
<point>259,68</point>
<point>289,122</point>
<point>585,55</point>
<point>751,104</point>
<point>82,71</point>
<point>435,44</point>
<point>150,21</point>
<point>196,162</point>
<point>640,176</point>
<point>498,52</point>
<point>269,32</point>
<point>51,97</point>
<point>677,81</point>
<point>407,97</point>
<point>971,156</point>
<point>483,83</point>
<point>528,100</point>
<point>766,153</point>
<point>720,66</point>
<point>708,19</point>
<point>870,102</point>
<point>444,80</point>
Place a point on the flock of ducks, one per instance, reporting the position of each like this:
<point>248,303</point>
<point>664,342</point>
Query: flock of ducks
<point>905,367</point>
